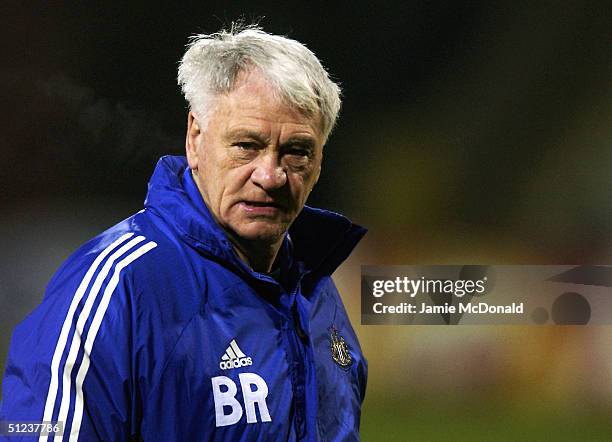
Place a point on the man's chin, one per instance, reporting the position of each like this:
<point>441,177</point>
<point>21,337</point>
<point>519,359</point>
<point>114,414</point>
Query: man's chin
<point>261,232</point>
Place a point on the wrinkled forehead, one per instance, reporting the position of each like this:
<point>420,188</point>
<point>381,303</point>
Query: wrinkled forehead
<point>252,90</point>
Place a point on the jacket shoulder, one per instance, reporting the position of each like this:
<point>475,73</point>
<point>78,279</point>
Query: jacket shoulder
<point>114,249</point>
<point>158,272</point>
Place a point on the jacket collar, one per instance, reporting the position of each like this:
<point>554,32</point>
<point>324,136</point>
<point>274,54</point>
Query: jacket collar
<point>320,240</point>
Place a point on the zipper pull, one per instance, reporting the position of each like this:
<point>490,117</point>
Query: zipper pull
<point>298,326</point>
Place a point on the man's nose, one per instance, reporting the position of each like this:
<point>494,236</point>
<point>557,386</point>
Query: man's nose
<point>269,174</point>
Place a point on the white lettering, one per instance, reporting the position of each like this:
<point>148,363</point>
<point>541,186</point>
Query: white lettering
<point>252,397</point>
<point>225,399</point>
<point>235,363</point>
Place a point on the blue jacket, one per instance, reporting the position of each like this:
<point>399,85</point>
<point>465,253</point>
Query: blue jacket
<point>155,329</point>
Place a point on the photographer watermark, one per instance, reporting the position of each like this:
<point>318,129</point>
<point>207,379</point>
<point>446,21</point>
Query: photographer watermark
<point>480,295</point>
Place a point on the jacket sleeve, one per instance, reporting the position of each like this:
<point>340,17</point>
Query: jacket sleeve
<point>70,360</point>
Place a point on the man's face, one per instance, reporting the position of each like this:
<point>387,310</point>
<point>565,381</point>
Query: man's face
<point>255,160</point>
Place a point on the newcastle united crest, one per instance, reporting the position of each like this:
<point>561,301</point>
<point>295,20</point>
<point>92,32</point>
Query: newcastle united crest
<point>339,349</point>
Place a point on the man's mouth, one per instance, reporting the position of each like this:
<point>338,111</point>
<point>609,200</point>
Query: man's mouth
<point>263,204</point>
<point>261,208</point>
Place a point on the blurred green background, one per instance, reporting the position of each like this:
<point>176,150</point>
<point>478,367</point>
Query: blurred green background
<point>471,133</point>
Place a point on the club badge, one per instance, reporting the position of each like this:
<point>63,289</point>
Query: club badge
<point>339,349</point>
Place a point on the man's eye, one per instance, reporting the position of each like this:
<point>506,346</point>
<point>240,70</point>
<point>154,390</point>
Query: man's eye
<point>299,152</point>
<point>246,145</point>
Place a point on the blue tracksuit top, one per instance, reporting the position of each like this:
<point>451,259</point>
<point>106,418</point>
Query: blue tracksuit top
<point>156,330</point>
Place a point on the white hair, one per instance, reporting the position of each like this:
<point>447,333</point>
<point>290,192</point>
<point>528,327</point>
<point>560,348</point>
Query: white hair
<point>213,62</point>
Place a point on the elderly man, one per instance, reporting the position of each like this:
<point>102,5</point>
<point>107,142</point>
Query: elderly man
<point>210,314</point>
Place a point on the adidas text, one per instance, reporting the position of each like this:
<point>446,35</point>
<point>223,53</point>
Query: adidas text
<point>235,363</point>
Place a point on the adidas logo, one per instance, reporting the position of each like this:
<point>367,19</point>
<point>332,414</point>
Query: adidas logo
<point>234,358</point>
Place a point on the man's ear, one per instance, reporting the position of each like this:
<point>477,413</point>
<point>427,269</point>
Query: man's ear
<point>318,171</point>
<point>192,140</point>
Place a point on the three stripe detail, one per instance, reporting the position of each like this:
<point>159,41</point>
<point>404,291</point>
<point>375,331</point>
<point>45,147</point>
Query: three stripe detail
<point>233,352</point>
<point>79,341</point>
<point>234,358</point>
